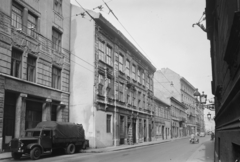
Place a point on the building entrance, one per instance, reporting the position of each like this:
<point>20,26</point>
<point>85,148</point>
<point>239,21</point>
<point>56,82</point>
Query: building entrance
<point>163,132</point>
<point>33,113</point>
<point>134,130</point>
<point>9,118</point>
<point>122,130</point>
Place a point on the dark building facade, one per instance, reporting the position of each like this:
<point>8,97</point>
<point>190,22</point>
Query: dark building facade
<point>223,24</point>
<point>34,65</point>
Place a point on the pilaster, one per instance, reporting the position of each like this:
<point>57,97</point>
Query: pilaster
<point>46,110</point>
<point>20,115</point>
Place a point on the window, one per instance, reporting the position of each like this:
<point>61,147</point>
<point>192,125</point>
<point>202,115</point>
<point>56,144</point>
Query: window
<point>127,68</point>
<point>101,84</point>
<point>121,63</point>
<point>46,133</point>
<point>108,123</point>
<point>109,86</point>
<point>31,66</point>
<point>143,101</point>
<point>56,40</point>
<point>54,112</point>
<point>16,63</point>
<point>139,100</point>
<point>129,97</point>
<point>116,61</point>
<point>143,78</point>
<point>109,55</point>
<point>120,91</point>
<point>32,25</point>
<point>148,80</point>
<point>101,51</point>
<point>138,78</point>
<point>56,77</point>
<point>57,6</point>
<point>134,99</point>
<point>134,72</point>
<point>16,17</point>
<point>151,84</point>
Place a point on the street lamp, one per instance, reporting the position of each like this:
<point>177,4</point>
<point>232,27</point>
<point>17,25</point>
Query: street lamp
<point>209,116</point>
<point>202,97</point>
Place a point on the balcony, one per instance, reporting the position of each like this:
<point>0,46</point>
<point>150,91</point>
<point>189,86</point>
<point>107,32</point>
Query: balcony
<point>183,119</point>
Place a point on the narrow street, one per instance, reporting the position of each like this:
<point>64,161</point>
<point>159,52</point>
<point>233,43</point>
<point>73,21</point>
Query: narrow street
<point>175,151</point>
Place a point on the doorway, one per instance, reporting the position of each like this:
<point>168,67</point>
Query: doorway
<point>33,113</point>
<point>163,132</point>
<point>134,130</point>
<point>9,118</point>
<point>122,130</point>
<point>166,132</point>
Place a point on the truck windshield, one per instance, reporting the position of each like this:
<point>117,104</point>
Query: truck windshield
<point>32,133</point>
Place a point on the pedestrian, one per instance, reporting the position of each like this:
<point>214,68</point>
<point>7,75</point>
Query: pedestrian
<point>212,136</point>
<point>192,136</point>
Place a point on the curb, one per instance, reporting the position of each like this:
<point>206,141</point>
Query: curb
<point>135,146</point>
<point>117,149</point>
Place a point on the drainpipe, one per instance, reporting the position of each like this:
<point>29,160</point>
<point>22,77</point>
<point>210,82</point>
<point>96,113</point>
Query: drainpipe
<point>115,106</point>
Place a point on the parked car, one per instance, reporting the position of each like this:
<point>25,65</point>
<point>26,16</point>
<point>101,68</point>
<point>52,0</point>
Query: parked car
<point>48,136</point>
<point>202,134</point>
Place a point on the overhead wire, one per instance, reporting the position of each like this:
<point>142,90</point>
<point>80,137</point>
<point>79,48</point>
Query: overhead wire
<point>77,55</point>
<point>110,10</point>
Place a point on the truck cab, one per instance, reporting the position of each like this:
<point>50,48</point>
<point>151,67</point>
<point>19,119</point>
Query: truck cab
<point>40,139</point>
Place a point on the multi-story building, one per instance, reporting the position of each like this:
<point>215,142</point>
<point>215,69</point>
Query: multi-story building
<point>34,65</point>
<point>200,120</point>
<point>167,84</point>
<point>162,120</point>
<point>222,26</point>
<point>179,117</point>
<point>188,99</point>
<point>112,93</point>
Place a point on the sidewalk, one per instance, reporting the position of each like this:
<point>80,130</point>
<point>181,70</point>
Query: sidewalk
<point>7,155</point>
<point>205,153</point>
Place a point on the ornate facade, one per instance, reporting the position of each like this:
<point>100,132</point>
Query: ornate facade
<point>119,103</point>
<point>34,65</point>
<point>169,84</point>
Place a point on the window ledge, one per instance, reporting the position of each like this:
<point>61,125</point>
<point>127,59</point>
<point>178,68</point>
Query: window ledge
<point>36,84</point>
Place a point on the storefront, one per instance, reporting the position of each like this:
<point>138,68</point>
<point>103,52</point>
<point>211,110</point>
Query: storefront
<point>25,105</point>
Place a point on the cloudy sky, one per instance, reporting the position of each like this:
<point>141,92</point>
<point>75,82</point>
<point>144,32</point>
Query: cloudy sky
<point>164,33</point>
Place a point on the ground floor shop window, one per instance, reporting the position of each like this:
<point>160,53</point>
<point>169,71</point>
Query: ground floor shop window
<point>54,113</point>
<point>33,114</point>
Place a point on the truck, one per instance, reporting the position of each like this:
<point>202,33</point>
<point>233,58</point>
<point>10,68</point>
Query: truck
<point>47,137</point>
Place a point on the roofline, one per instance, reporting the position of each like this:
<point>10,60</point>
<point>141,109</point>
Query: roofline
<point>185,80</point>
<point>180,103</point>
<point>118,33</point>
<point>159,100</point>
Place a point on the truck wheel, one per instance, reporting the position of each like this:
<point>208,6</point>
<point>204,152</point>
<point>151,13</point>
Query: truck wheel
<point>16,155</point>
<point>35,153</point>
<point>70,148</point>
<point>84,146</point>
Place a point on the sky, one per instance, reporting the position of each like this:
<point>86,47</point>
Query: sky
<point>164,34</point>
